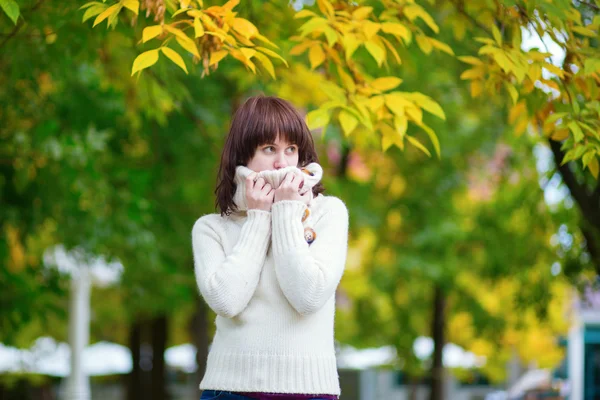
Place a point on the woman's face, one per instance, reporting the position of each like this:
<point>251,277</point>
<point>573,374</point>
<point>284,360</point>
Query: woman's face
<point>277,155</point>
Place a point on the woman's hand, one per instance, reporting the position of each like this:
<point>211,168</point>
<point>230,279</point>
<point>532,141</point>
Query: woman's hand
<point>288,190</point>
<point>259,194</point>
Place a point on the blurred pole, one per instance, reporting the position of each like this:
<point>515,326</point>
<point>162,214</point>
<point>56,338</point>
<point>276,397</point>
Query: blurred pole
<point>438,326</point>
<point>78,383</point>
<point>199,333</point>
<point>159,344</point>
<point>135,390</point>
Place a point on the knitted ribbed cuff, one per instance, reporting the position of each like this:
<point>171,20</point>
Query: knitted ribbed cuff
<point>288,232</point>
<point>256,233</point>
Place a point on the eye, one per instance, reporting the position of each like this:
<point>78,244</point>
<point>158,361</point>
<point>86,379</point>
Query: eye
<point>291,149</point>
<point>268,149</point>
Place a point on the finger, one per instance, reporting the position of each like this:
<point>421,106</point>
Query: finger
<point>267,188</point>
<point>260,183</point>
<point>250,180</point>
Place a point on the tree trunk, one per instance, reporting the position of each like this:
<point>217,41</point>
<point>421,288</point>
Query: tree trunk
<point>134,379</point>
<point>199,333</point>
<point>437,331</point>
<point>159,344</point>
<point>587,200</point>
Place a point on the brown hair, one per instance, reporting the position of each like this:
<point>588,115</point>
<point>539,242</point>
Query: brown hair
<point>260,120</point>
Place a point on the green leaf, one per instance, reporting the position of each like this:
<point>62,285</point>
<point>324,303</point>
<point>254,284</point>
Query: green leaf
<point>175,57</point>
<point>576,129</point>
<point>11,8</point>
<point>93,11</point>
<point>144,60</point>
<point>591,65</point>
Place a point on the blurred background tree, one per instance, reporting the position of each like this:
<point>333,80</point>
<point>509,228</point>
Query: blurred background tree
<point>458,246</point>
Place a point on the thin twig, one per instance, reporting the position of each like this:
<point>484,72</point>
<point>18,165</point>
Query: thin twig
<point>20,24</point>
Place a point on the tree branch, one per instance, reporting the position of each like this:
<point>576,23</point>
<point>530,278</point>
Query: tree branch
<point>20,24</point>
<point>578,192</point>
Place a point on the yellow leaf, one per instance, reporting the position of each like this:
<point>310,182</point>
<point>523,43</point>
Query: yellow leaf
<point>472,73</point>
<point>396,103</point>
<point>415,142</point>
<point>470,60</point>
<point>560,135</point>
<point>317,119</point>
<point>593,167</point>
<point>391,49</point>
<point>244,27</point>
<point>151,32</point>
<point>230,5</point>
<point>331,35</point>
<point>376,51</point>
<point>238,55</point>
<point>326,8</point>
<point>414,113</point>
<point>517,111</point>
<point>266,63</point>
<point>346,79</point>
<point>189,45</point>
<point>476,88</point>
<point>272,54</point>
<point>424,44</point>
<point>175,57</point>
<point>401,125</point>
<point>361,13</point>
<point>265,40</point>
<point>555,70</point>
<point>198,28</point>
<point>387,83</point>
<point>497,35</point>
<point>304,13</point>
<point>397,29</point>
<point>115,8</point>
<point>375,103</point>
<point>144,60</point>
<point>584,31</point>
<point>428,104</point>
<point>316,55</point>
<point>434,139</point>
<point>133,5</point>
<point>370,28</point>
<point>347,121</point>
<point>248,53</point>
<point>441,46</point>
<point>514,94</point>
<point>390,137</point>
<point>300,48</point>
<point>217,56</point>
<point>413,11</point>
<point>350,43</point>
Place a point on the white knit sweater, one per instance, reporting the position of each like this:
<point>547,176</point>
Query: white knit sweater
<point>274,296</point>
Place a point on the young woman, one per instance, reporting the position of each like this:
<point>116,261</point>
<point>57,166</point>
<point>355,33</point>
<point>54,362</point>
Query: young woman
<point>269,263</point>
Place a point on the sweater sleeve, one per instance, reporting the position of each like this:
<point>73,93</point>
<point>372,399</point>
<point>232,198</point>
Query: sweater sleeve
<point>309,275</point>
<point>227,282</point>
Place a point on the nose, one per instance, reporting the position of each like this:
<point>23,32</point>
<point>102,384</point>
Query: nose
<point>280,161</point>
